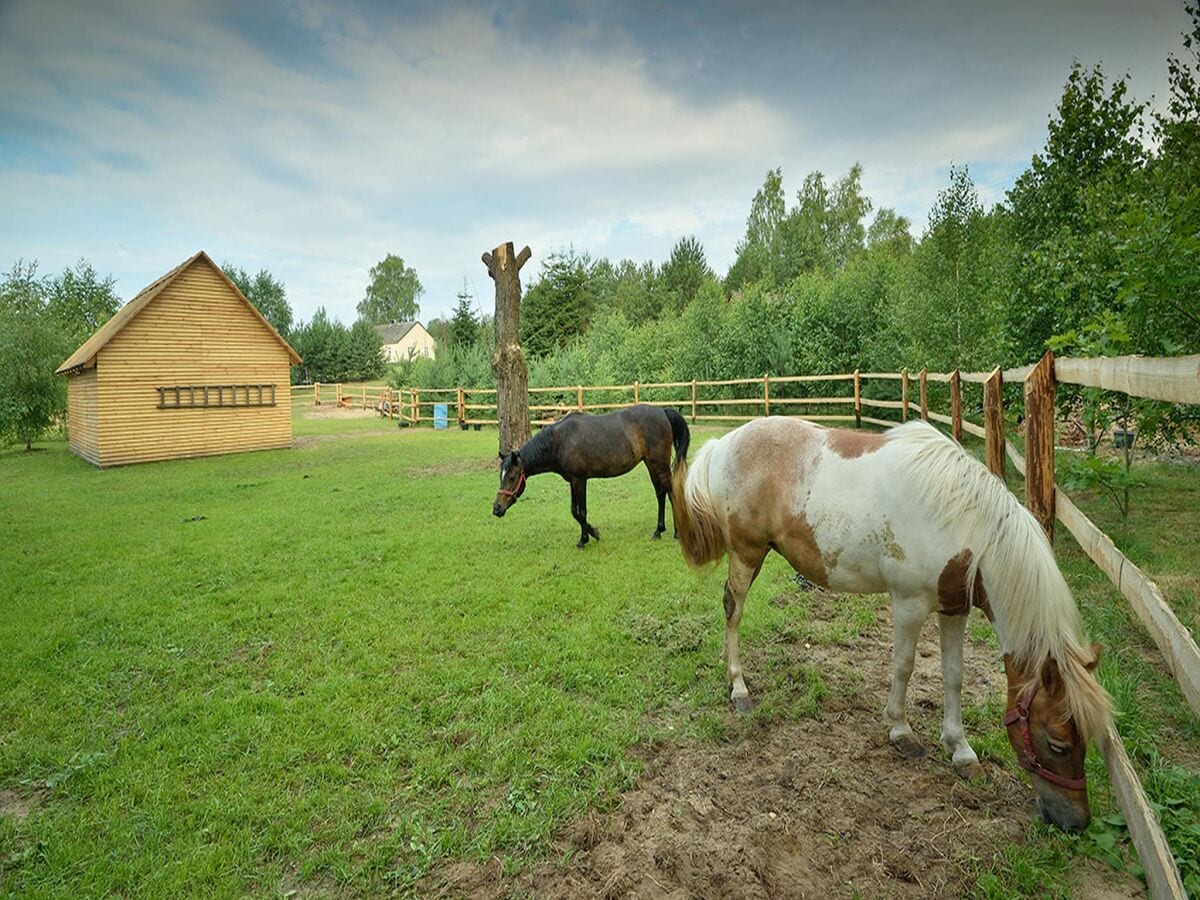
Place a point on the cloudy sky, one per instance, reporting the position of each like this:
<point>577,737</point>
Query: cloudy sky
<point>312,138</point>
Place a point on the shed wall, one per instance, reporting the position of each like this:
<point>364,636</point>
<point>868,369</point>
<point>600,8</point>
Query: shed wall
<point>196,332</point>
<point>83,432</point>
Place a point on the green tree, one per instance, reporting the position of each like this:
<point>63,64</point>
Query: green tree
<point>757,250</point>
<point>463,330</point>
<point>80,301</point>
<point>365,349</point>
<point>266,293</point>
<point>684,272</point>
<point>890,231</point>
<point>32,397</point>
<point>22,289</point>
<point>558,307</point>
<point>1063,205</point>
<point>393,294</point>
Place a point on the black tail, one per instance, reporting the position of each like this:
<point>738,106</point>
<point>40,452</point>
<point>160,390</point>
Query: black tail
<point>679,435</point>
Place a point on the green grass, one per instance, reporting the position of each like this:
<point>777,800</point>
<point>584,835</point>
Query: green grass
<point>332,667</point>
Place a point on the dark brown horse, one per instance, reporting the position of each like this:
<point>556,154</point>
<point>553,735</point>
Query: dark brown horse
<point>580,446</point>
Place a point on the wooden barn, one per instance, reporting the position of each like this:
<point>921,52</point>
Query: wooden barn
<point>188,367</point>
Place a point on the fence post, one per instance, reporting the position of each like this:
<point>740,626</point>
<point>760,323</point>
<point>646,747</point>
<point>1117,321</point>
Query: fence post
<point>579,397</point>
<point>924,396</point>
<point>416,406</point>
<point>316,393</point>
<point>337,395</point>
<point>637,393</point>
<point>1039,443</point>
<point>364,396</point>
<point>857,400</point>
<point>766,394</point>
<point>693,401</point>
<point>956,405</point>
<point>904,395</point>
<point>462,409</point>
<point>993,422</point>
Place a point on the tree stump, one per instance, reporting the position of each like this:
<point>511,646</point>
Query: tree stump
<point>508,360</point>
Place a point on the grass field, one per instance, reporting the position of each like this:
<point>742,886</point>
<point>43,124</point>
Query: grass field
<point>330,669</point>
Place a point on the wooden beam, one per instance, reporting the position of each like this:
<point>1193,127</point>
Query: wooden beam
<point>904,395</point>
<point>993,422</point>
<point>1039,443</point>
<point>924,395</point>
<point>956,405</point>
<point>766,394</point>
<point>1158,863</point>
<point>857,400</point>
<point>1174,379</point>
<point>1173,640</point>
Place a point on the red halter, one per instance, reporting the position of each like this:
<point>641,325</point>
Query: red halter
<point>515,492</point>
<point>1019,715</point>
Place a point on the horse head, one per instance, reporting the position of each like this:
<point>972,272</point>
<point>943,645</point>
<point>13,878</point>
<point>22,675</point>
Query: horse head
<point>512,483</point>
<point>1048,742</point>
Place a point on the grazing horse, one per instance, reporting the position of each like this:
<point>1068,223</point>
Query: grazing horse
<point>580,446</point>
<point>911,513</point>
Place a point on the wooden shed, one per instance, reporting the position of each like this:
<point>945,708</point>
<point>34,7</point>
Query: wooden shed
<point>188,367</point>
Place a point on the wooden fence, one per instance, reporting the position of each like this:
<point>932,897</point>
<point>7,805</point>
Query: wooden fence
<point>1175,380</point>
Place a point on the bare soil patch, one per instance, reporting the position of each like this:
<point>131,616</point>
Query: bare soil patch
<point>822,807</point>
<point>339,412</point>
<point>17,806</point>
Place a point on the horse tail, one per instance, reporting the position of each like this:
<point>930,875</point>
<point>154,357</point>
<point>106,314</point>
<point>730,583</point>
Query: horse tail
<point>700,535</point>
<point>680,436</point>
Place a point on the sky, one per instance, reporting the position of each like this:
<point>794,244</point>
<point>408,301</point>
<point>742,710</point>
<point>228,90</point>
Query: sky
<point>313,138</point>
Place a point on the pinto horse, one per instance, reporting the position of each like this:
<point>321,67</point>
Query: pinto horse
<point>581,446</point>
<point>909,512</point>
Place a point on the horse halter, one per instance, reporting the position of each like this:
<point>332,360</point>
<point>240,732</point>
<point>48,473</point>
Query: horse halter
<point>1019,715</point>
<point>517,491</point>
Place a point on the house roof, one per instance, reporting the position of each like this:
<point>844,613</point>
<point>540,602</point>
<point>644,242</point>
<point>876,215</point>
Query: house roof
<point>394,332</point>
<point>86,354</point>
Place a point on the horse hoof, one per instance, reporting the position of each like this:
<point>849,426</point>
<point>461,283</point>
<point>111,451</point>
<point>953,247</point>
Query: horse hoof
<point>741,705</point>
<point>909,746</point>
<point>595,534</point>
<point>656,536</point>
<point>581,545</point>
<point>971,772</point>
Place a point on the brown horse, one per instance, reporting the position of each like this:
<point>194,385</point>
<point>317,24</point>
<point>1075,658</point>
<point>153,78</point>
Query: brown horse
<point>581,446</point>
<point>911,513</point>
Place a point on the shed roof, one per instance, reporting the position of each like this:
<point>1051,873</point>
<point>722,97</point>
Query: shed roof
<point>395,331</point>
<point>84,356</point>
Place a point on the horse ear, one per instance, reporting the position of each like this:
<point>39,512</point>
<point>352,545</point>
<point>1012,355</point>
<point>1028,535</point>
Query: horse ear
<point>1051,677</point>
<point>516,457</point>
<point>1097,648</point>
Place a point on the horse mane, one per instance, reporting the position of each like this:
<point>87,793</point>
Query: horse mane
<point>1036,616</point>
<point>537,453</point>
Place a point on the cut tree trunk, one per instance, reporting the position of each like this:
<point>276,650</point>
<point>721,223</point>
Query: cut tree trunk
<point>508,360</point>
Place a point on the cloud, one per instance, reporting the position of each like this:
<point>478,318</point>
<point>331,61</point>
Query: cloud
<point>313,138</point>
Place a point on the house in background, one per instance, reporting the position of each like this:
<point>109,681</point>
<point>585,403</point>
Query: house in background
<point>403,340</point>
<point>188,367</point>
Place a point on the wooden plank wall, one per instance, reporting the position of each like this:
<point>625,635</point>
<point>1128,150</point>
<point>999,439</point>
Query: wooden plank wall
<point>196,332</point>
<point>83,432</point>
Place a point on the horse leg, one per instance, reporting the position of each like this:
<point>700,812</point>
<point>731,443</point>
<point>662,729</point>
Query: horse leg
<point>954,739</point>
<point>579,509</point>
<point>741,576</point>
<point>908,614</point>
<point>661,479</point>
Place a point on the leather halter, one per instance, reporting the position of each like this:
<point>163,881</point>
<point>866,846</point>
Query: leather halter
<point>517,491</point>
<point>1019,715</point>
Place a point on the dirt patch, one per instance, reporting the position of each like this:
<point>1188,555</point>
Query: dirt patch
<point>16,806</point>
<point>822,807</point>
<point>339,412</point>
<point>456,467</point>
<point>308,441</point>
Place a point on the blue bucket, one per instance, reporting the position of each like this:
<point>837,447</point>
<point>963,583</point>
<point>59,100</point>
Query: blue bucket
<point>441,415</point>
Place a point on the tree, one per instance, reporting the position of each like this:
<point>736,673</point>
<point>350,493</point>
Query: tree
<point>80,302</point>
<point>365,349</point>
<point>22,290</point>
<point>463,330</point>
<point>684,272</point>
<point>508,360</point>
<point>757,249</point>
<point>890,231</point>
<point>1063,205</point>
<point>32,397</point>
<point>559,306</point>
<point>392,294</point>
<point>268,296</point>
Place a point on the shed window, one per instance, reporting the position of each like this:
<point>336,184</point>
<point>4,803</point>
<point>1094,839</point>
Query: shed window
<point>202,396</point>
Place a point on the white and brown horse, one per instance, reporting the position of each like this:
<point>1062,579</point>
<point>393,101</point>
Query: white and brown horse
<point>908,512</point>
